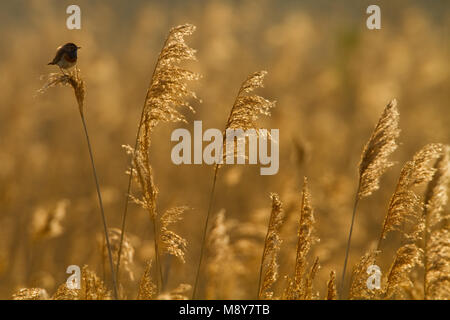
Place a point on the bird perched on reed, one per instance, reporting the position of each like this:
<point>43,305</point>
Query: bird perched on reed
<point>66,56</point>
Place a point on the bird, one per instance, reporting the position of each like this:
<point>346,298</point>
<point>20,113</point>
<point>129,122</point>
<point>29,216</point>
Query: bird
<point>66,56</point>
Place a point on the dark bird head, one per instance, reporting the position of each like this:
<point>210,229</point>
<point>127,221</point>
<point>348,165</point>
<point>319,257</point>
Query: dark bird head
<point>71,47</point>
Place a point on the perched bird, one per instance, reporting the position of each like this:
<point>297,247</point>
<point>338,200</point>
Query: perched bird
<point>66,56</point>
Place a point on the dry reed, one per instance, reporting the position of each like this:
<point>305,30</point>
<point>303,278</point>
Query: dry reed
<point>222,265</point>
<point>30,294</point>
<point>404,215</point>
<point>244,114</point>
<point>74,80</point>
<point>147,288</point>
<point>173,243</point>
<point>405,203</point>
<point>436,281</point>
<point>413,218</point>
<point>300,286</point>
<point>268,273</point>
<point>374,162</point>
<point>358,287</point>
<point>91,288</point>
<point>406,258</point>
<point>166,93</point>
<point>405,209</point>
<point>331,287</point>
<point>128,251</point>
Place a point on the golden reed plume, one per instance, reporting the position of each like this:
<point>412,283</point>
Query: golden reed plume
<point>166,94</point>
<point>243,115</point>
<point>436,247</point>
<point>374,162</point>
<point>300,286</point>
<point>268,273</point>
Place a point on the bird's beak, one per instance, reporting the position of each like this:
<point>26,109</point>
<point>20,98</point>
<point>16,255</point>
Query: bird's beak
<point>78,47</point>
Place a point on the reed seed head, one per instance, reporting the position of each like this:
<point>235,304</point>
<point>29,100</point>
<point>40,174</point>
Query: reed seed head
<point>172,243</point>
<point>374,159</point>
<point>271,249</point>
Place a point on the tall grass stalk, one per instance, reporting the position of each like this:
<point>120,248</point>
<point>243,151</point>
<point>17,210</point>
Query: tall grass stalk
<point>243,115</point>
<point>105,228</point>
<point>74,80</point>
<point>347,249</point>
<point>166,92</point>
<point>374,162</point>
<point>127,200</point>
<point>205,230</point>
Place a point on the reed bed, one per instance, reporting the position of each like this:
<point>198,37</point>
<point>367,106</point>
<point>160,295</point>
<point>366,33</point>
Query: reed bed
<point>223,231</point>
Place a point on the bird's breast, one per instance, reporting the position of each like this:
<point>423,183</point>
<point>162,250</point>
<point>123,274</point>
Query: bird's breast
<point>66,62</point>
<point>71,58</point>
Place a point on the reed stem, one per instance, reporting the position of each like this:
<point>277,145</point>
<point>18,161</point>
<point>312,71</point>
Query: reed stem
<point>130,178</point>
<point>105,228</point>
<point>205,229</point>
<point>347,250</point>
<point>425,255</point>
<point>159,282</point>
<point>262,263</point>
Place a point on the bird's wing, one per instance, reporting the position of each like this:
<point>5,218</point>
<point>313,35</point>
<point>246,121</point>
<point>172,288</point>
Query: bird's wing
<point>58,56</point>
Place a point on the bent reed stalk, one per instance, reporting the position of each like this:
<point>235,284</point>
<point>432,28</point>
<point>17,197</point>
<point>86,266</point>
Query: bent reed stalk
<point>74,80</point>
<point>130,179</point>
<point>374,162</point>
<point>243,115</point>
<point>166,92</point>
<point>268,269</point>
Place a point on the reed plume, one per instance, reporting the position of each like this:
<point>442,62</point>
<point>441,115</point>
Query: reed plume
<point>147,289</point>
<point>309,294</point>
<point>406,258</point>
<point>91,288</point>
<point>405,209</point>
<point>30,294</point>
<point>166,94</point>
<point>300,286</point>
<point>173,243</point>
<point>358,286</point>
<point>331,287</point>
<point>222,265</point>
<point>374,162</point>
<point>219,248</point>
<point>374,159</point>
<point>405,204</point>
<point>244,114</point>
<point>268,272</point>
<point>437,265</point>
<point>436,282</point>
<point>247,107</point>
<point>127,254</point>
<point>73,80</point>
<point>436,195</point>
<point>76,82</point>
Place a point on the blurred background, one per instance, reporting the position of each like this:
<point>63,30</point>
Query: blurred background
<point>331,78</point>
